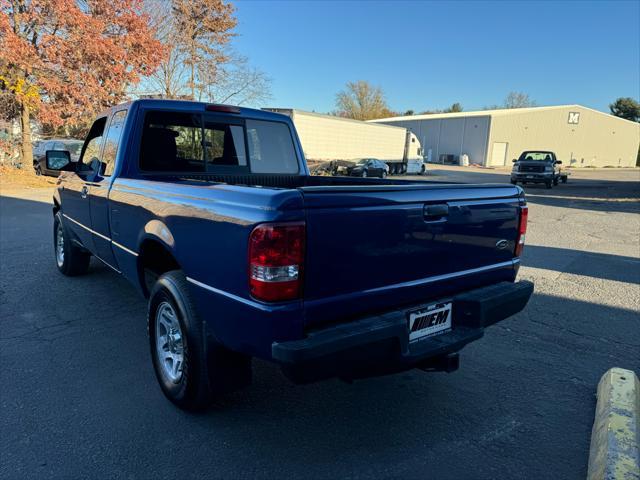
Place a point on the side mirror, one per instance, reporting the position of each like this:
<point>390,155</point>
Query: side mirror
<point>514,160</point>
<point>559,162</point>
<point>58,160</point>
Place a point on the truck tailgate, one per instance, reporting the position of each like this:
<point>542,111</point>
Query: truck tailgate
<point>370,248</point>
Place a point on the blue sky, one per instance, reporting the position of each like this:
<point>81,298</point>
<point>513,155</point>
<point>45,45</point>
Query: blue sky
<point>427,55</point>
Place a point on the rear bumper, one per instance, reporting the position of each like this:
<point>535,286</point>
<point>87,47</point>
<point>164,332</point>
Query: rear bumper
<point>380,344</point>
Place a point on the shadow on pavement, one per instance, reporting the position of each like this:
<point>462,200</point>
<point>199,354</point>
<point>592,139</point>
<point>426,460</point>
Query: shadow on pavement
<point>597,265</point>
<point>528,379</point>
<point>588,194</point>
<point>76,367</point>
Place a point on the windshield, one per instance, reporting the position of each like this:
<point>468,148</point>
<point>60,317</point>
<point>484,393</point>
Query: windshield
<point>362,161</point>
<point>536,156</point>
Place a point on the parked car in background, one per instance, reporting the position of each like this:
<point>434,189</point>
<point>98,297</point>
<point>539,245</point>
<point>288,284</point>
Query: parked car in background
<point>36,147</point>
<point>241,253</point>
<point>538,167</point>
<point>369,167</point>
<point>72,146</point>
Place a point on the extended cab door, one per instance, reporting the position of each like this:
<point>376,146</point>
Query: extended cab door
<point>76,186</point>
<point>99,190</point>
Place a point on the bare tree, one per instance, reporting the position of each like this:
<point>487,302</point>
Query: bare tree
<point>518,100</point>
<point>215,73</point>
<point>171,78</point>
<point>235,82</point>
<point>361,101</point>
<point>203,28</point>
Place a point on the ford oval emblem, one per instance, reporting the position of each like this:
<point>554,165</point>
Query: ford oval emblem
<point>502,244</point>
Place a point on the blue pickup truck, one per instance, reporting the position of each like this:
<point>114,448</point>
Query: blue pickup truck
<point>210,212</point>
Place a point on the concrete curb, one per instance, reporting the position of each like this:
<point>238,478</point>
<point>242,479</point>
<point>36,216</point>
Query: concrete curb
<point>615,438</point>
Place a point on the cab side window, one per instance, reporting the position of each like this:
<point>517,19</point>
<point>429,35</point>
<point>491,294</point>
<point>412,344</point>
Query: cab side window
<point>90,157</point>
<point>111,142</point>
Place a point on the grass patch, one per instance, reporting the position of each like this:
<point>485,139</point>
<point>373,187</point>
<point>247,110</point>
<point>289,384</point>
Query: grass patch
<point>13,178</point>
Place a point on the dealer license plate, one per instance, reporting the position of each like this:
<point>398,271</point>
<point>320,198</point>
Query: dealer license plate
<point>428,321</point>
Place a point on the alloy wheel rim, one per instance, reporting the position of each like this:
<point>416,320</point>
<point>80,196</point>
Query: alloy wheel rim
<point>169,343</point>
<point>59,246</point>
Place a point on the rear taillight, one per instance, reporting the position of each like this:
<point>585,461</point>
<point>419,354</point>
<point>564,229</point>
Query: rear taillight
<point>522,230</point>
<point>276,256</point>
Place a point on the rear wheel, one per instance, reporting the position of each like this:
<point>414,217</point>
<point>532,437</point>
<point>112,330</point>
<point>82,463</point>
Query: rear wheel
<point>189,365</point>
<point>384,174</point>
<point>364,173</point>
<point>71,260</point>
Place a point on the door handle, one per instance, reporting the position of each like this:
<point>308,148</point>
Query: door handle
<point>84,191</point>
<point>434,213</point>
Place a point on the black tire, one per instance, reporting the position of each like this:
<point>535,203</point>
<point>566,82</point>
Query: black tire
<point>191,391</point>
<point>384,174</point>
<point>208,368</point>
<point>364,173</point>
<point>564,179</point>
<point>548,183</point>
<point>37,169</point>
<point>74,260</point>
<point>556,180</point>
<point>423,169</point>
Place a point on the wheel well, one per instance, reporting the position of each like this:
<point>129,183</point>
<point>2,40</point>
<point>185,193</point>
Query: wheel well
<point>154,259</point>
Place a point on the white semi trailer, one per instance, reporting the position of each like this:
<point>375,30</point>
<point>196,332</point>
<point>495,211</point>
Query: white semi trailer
<point>326,137</point>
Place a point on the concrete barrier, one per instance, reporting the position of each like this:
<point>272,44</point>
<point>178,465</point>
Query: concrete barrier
<point>615,438</point>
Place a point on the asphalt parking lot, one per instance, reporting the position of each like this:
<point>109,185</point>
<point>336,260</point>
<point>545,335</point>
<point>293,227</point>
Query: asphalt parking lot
<point>79,398</point>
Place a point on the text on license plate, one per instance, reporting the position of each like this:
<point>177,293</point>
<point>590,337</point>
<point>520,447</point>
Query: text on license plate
<point>429,320</point>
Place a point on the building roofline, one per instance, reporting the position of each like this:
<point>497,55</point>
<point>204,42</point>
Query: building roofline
<point>495,112</point>
<point>323,115</point>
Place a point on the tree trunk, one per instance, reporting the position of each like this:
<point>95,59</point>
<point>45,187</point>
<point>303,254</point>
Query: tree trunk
<point>26,149</point>
<point>193,81</point>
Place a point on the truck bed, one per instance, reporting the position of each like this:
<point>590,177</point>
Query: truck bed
<point>370,245</point>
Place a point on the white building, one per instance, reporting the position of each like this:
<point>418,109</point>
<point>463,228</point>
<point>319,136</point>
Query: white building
<point>578,135</point>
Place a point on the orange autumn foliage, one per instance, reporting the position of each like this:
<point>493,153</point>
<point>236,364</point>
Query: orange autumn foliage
<point>65,60</point>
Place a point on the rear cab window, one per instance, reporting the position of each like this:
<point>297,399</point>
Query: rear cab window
<point>192,142</point>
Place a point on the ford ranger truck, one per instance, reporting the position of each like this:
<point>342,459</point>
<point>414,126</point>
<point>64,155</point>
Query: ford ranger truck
<point>210,212</point>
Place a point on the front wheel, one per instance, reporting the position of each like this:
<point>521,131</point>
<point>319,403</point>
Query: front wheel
<point>548,183</point>
<point>71,260</point>
<point>384,174</point>
<point>364,173</point>
<point>556,180</point>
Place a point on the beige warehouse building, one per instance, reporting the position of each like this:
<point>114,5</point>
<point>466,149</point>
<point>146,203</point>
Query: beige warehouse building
<point>580,136</point>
